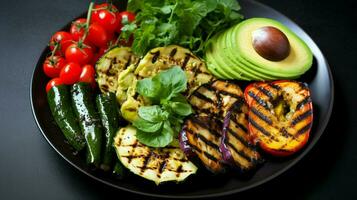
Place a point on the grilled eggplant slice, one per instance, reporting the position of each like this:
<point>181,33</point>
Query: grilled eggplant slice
<point>236,146</point>
<point>220,106</point>
<point>162,58</point>
<point>155,164</point>
<point>203,135</point>
<point>110,65</point>
<point>281,122</point>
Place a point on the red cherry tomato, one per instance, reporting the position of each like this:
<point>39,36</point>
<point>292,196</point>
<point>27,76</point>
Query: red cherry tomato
<point>123,17</point>
<point>78,28</point>
<point>53,82</point>
<point>88,75</point>
<point>70,73</point>
<point>79,53</point>
<point>98,36</point>
<point>53,65</point>
<point>63,39</point>
<point>106,15</point>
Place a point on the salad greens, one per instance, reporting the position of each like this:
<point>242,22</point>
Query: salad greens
<point>159,123</point>
<point>188,23</point>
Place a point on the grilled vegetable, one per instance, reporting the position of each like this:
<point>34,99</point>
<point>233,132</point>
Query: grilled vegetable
<point>59,101</point>
<point>236,146</point>
<point>204,137</point>
<point>223,102</point>
<point>162,58</point>
<point>280,121</point>
<point>89,121</point>
<point>251,91</point>
<point>155,164</point>
<point>110,65</point>
<point>108,111</point>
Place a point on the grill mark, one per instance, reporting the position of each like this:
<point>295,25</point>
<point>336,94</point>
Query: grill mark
<point>145,162</point>
<point>179,170</point>
<point>202,97</point>
<point>259,100</point>
<point>206,141</point>
<point>185,61</point>
<point>139,156</point>
<point>274,86</point>
<point>155,56</point>
<point>241,153</point>
<point>132,151</point>
<point>301,117</point>
<point>238,137</point>
<point>239,125</point>
<point>261,116</point>
<point>173,52</point>
<point>266,92</point>
<point>303,102</point>
<point>285,133</point>
<point>127,63</point>
<point>261,129</point>
<point>209,156</point>
<point>204,126</point>
<point>304,129</point>
<point>223,92</point>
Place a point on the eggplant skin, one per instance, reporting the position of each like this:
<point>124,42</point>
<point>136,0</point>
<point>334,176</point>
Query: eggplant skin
<point>236,146</point>
<point>281,123</point>
<point>219,132</point>
<point>204,136</point>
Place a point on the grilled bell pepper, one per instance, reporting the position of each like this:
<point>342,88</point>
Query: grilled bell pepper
<point>280,116</point>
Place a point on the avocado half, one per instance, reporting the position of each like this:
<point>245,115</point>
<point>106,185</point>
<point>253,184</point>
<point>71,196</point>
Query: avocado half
<point>231,54</point>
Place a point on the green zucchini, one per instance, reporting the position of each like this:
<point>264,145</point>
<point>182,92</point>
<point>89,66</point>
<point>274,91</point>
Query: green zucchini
<point>89,121</point>
<point>108,111</point>
<point>59,101</point>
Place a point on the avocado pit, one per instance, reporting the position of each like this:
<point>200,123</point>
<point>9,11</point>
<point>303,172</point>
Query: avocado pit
<point>271,43</point>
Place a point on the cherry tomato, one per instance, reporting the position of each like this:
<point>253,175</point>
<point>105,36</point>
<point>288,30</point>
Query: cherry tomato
<point>70,73</point>
<point>106,15</point>
<point>78,28</point>
<point>53,65</point>
<point>63,39</point>
<point>79,53</point>
<point>53,82</point>
<point>88,75</point>
<point>123,17</point>
<point>98,36</point>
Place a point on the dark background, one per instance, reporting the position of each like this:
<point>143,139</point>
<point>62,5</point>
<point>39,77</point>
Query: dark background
<point>31,169</point>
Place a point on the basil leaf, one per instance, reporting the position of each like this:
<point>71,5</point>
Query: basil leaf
<point>158,139</point>
<point>147,126</point>
<point>148,88</point>
<point>182,109</point>
<point>153,113</point>
<point>174,80</point>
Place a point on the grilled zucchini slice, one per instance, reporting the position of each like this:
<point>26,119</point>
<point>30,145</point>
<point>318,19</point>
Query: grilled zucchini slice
<point>110,65</point>
<point>162,58</point>
<point>155,164</point>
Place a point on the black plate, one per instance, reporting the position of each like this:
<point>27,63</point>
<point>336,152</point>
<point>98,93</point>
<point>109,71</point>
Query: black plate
<point>203,184</point>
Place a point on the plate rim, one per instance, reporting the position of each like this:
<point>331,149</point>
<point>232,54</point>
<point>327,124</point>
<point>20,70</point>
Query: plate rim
<point>218,194</point>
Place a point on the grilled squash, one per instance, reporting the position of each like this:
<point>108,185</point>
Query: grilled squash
<point>280,121</point>
<point>155,164</point>
<point>220,108</point>
<point>162,58</point>
<point>110,65</point>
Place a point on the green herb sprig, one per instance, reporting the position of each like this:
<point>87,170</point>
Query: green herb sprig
<point>161,122</point>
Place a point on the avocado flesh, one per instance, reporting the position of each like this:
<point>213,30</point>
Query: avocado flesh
<point>232,52</point>
<point>298,61</point>
<point>250,67</point>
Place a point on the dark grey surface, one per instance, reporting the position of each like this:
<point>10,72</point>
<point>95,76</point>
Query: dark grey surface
<point>31,169</point>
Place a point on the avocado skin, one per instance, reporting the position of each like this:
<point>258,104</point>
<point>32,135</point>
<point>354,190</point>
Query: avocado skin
<point>230,59</point>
